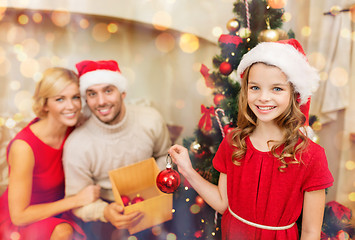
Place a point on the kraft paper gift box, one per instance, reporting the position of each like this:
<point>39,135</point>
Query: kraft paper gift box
<point>140,179</point>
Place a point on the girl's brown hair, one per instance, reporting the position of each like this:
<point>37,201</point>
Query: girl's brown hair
<point>292,121</point>
<point>54,80</point>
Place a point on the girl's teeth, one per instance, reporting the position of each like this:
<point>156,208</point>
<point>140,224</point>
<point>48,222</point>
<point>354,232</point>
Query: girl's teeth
<point>265,108</point>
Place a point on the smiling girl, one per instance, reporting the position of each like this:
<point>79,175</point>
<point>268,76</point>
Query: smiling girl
<point>270,172</point>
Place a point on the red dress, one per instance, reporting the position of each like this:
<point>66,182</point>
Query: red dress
<point>47,186</point>
<point>260,193</point>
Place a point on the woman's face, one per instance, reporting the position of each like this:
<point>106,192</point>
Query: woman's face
<point>66,106</point>
<point>269,92</point>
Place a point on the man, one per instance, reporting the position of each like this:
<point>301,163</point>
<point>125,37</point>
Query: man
<point>115,135</point>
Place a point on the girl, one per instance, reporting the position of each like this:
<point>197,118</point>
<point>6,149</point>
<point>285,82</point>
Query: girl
<point>269,169</point>
<point>32,205</point>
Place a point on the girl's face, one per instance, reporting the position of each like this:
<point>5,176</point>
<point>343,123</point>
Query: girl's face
<point>269,92</point>
<point>65,107</point>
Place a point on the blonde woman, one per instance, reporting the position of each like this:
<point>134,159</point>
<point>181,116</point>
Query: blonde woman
<point>33,206</point>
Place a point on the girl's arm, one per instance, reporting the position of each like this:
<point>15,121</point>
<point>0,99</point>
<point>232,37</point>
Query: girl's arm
<point>215,196</point>
<point>313,210</point>
<point>21,163</point>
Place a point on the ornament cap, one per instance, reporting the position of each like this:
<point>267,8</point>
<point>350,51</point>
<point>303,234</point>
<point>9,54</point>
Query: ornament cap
<point>168,162</point>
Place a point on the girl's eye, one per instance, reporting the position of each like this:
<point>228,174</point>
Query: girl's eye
<point>277,89</point>
<point>59,99</point>
<point>254,88</point>
<point>76,97</point>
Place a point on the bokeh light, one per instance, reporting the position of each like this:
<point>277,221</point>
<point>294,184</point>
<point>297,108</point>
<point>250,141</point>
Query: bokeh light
<point>2,121</point>
<point>15,85</point>
<point>202,89</point>
<point>23,19</point>
<point>171,236</point>
<point>317,60</point>
<point>15,236</point>
<point>5,67</point>
<point>37,17</point>
<point>306,31</point>
<point>84,23</point>
<point>180,103</point>
<point>323,76</point>
<point>339,77</point>
<point>23,101</point>
<point>10,123</point>
<point>100,33</point>
<point>60,17</point>
<point>350,165</point>
<point>165,42</point>
<point>156,230</point>
<point>112,27</point>
<point>161,20</point>
<point>50,37</point>
<point>29,67</point>
<point>16,34</point>
<point>31,47</point>
<point>194,209</point>
<point>189,43</point>
<point>18,117</point>
<point>345,33</point>
<point>286,17</point>
<point>132,238</point>
<point>217,31</point>
<point>352,196</point>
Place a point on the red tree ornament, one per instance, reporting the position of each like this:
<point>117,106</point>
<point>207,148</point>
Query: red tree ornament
<point>125,199</point>
<point>218,98</point>
<point>225,68</point>
<point>137,199</point>
<point>168,180</point>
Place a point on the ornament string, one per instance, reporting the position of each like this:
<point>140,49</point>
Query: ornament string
<point>169,161</point>
<point>247,13</point>
<point>219,120</point>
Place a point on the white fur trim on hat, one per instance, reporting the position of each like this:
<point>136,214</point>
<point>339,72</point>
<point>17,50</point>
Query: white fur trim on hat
<point>101,76</point>
<point>293,63</point>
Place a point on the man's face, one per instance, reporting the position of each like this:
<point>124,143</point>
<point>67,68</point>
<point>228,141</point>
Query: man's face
<point>106,103</point>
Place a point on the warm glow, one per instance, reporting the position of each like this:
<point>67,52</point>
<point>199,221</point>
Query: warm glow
<point>350,165</point>
<point>352,196</point>
<point>31,47</point>
<point>132,238</point>
<point>345,33</point>
<point>156,230</point>
<point>277,3</point>
<point>286,17</point>
<point>306,31</point>
<point>189,43</point>
<point>339,77</point>
<point>5,67</point>
<point>23,19</point>
<point>50,37</point>
<point>15,34</point>
<point>10,123</point>
<point>161,20</point>
<point>323,76</point>
<point>37,17</point>
<point>317,60</point>
<point>15,85</point>
<point>23,100</point>
<point>194,209</point>
<point>112,28</point>
<point>217,31</point>
<point>18,117</point>
<point>84,23</point>
<point>165,42</point>
<point>171,236</point>
<point>202,89</point>
<point>2,121</point>
<point>29,67</point>
<point>100,33</point>
<point>60,17</point>
<point>180,104</point>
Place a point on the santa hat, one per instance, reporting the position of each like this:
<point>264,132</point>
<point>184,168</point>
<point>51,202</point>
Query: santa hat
<point>288,55</point>
<point>98,72</point>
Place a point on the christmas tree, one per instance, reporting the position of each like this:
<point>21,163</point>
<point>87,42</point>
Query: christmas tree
<point>255,21</point>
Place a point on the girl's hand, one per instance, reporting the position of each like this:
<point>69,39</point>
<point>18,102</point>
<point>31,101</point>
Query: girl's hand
<point>88,195</point>
<point>180,157</point>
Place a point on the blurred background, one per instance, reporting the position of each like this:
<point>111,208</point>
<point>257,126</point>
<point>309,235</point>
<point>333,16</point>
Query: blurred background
<point>160,46</point>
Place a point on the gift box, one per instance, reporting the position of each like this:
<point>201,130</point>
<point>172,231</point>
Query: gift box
<point>140,179</point>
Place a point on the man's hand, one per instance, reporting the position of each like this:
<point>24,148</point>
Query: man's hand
<point>114,214</point>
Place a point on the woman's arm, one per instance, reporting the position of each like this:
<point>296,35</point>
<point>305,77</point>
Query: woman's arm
<point>215,196</point>
<point>21,163</point>
<point>313,210</point>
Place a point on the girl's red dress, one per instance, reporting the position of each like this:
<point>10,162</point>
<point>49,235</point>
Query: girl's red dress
<point>260,193</point>
<point>47,186</point>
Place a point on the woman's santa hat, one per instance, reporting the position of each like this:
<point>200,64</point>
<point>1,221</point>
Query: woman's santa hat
<point>98,72</point>
<point>288,55</point>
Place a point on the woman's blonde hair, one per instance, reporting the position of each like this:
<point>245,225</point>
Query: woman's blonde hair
<point>54,80</point>
<point>292,121</point>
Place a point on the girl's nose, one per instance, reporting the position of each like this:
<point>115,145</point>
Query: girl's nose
<point>264,96</point>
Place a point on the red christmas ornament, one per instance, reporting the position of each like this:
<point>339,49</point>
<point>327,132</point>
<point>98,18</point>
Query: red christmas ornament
<point>137,199</point>
<point>218,98</point>
<point>125,200</point>
<point>225,68</point>
<point>199,201</point>
<point>168,180</point>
